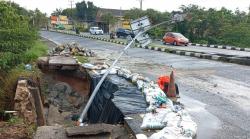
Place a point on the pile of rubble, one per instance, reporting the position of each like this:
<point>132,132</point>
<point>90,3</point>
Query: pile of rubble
<point>73,48</point>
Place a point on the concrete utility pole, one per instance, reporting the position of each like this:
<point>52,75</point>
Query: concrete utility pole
<point>71,3</point>
<point>140,4</point>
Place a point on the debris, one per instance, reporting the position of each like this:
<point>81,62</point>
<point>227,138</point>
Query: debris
<point>28,67</point>
<point>73,48</point>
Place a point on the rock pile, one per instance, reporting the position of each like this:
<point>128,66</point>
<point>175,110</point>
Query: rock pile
<point>63,96</point>
<point>73,48</point>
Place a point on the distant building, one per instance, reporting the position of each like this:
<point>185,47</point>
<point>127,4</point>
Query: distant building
<point>63,20</point>
<point>117,13</point>
<point>55,20</point>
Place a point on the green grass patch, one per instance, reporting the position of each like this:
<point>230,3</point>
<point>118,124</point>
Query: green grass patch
<point>82,59</point>
<point>39,49</point>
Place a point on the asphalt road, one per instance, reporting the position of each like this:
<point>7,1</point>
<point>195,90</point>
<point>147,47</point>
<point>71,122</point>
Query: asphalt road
<point>191,48</point>
<point>216,94</point>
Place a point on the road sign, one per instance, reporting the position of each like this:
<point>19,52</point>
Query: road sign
<point>144,40</point>
<point>140,25</point>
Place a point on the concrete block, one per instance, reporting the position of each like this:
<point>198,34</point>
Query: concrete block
<point>178,52</point>
<point>247,49</point>
<point>206,56</point>
<point>197,54</point>
<point>188,53</point>
<point>238,48</point>
<point>215,57</point>
<point>163,49</point>
<point>220,46</point>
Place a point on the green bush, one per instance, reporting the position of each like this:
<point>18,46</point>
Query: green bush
<point>157,33</point>
<point>16,37</point>
<point>16,69</point>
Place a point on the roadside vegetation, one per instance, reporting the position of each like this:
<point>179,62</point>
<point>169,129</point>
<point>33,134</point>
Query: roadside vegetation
<point>19,45</point>
<point>208,26</point>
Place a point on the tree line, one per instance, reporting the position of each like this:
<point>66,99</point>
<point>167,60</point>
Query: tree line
<point>209,26</point>
<point>83,11</point>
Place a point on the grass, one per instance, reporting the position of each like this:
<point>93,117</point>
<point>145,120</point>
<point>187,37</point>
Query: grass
<point>15,120</point>
<point>82,59</point>
<point>39,49</point>
<point>8,79</point>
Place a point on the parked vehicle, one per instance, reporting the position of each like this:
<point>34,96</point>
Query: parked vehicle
<point>60,27</point>
<point>95,31</point>
<point>120,32</point>
<point>175,39</point>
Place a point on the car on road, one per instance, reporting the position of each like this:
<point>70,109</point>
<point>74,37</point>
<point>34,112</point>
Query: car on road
<point>95,31</point>
<point>120,32</point>
<point>175,39</point>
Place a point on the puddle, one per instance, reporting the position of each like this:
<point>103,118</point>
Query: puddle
<point>208,123</point>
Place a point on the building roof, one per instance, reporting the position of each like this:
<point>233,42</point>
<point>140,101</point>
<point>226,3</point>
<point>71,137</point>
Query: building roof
<point>115,12</point>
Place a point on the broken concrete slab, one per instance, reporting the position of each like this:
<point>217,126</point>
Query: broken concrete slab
<point>63,63</point>
<point>62,60</point>
<point>59,132</point>
<point>92,129</point>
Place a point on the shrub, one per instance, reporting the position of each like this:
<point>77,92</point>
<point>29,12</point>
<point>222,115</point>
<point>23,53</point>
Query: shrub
<point>16,37</point>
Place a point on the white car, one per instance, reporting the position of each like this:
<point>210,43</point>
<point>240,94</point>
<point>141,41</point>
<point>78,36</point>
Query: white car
<point>96,31</point>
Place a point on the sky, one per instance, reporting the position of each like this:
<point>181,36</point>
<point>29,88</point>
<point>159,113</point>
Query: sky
<point>48,6</point>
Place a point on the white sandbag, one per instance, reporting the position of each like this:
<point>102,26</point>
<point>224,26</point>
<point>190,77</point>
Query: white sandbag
<point>153,121</point>
<point>88,66</point>
<point>169,133</point>
<point>124,73</point>
<point>139,84</point>
<point>134,77</point>
<point>183,121</point>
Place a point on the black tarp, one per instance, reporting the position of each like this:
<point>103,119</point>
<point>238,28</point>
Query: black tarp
<point>116,98</point>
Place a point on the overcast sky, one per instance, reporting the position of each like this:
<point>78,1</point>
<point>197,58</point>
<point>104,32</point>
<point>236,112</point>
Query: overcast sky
<point>49,6</point>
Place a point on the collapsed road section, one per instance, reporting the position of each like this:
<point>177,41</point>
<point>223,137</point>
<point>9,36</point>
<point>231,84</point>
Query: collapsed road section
<point>128,105</point>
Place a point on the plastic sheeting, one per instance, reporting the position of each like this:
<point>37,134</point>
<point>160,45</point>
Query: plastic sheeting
<point>116,98</point>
